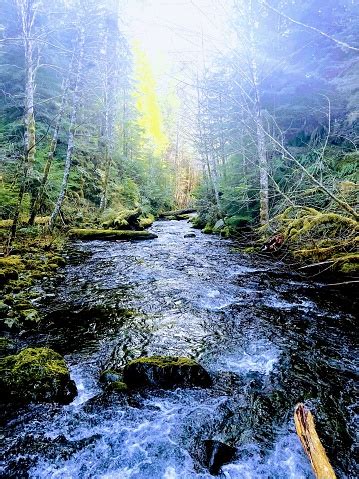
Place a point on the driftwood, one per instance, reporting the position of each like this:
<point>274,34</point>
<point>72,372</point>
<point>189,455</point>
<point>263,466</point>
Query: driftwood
<point>304,423</point>
<point>177,212</point>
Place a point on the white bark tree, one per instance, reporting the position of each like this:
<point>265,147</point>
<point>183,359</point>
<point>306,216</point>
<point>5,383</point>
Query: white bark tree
<point>72,127</point>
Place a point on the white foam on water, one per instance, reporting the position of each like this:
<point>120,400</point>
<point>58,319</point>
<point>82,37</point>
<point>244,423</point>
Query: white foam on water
<point>259,356</point>
<point>285,461</point>
<point>87,386</point>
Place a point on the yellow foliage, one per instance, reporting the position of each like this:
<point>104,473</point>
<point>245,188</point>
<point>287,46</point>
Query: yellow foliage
<point>150,116</point>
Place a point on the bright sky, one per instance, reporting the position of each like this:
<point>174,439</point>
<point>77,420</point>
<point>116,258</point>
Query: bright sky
<point>172,32</point>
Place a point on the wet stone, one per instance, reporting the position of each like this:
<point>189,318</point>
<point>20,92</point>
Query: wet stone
<point>165,372</point>
<point>214,454</point>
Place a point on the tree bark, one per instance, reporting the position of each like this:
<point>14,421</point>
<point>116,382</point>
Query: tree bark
<point>52,148</point>
<point>27,12</point>
<point>304,424</point>
<point>258,116</point>
<point>72,128</point>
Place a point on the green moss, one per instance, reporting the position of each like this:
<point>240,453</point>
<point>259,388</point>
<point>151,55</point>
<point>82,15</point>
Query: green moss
<point>147,221</point>
<point>208,229</point>
<point>349,268</point>
<point>225,232</point>
<point>13,262</point>
<point>250,250</point>
<point>29,315</point>
<point>164,361</point>
<point>237,221</point>
<point>5,346</point>
<point>23,305</point>
<point>5,223</point>
<point>117,386</point>
<point>93,234</point>
<point>36,374</point>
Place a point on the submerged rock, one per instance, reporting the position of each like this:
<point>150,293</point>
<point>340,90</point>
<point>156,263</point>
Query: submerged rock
<point>214,454</point>
<point>36,374</point>
<point>165,372</point>
<point>117,386</point>
<point>189,235</point>
<point>112,380</point>
<point>109,376</point>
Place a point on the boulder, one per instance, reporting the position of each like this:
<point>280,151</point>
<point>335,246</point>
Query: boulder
<point>112,380</point>
<point>125,220</point>
<point>165,372</point>
<point>219,225</point>
<point>189,235</point>
<point>214,454</point>
<point>36,375</point>
<point>109,376</point>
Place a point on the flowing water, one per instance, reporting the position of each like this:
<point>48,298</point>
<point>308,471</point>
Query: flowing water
<point>268,338</point>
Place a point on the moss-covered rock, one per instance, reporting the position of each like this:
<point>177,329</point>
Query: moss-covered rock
<point>147,221</point>
<point>29,316</point>
<point>117,386</point>
<point>36,374</point>
<point>97,234</point>
<point>165,372</point>
<point>6,346</point>
<point>10,267</point>
<point>208,229</point>
<point>124,220</point>
<point>109,376</point>
<point>198,222</point>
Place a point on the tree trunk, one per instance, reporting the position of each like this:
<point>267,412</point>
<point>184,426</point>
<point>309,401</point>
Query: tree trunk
<point>27,14</point>
<point>72,128</point>
<point>258,116</point>
<point>263,173</point>
<point>52,148</point>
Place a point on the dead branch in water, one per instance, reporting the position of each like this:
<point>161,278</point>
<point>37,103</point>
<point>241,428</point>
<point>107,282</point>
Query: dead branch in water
<point>304,423</point>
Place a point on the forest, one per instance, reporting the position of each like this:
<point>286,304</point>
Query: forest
<point>235,147</point>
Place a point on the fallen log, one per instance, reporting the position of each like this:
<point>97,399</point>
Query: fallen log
<point>108,235</point>
<point>304,424</point>
<point>177,212</point>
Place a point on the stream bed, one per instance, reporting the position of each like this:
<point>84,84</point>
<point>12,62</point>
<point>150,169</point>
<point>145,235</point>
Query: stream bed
<point>268,337</point>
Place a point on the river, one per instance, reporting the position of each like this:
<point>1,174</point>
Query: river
<point>268,337</point>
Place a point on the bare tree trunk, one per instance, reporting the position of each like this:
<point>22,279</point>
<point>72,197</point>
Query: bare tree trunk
<point>261,146</point>
<point>52,148</point>
<point>263,173</point>
<point>212,174</point>
<point>107,157</point>
<point>72,128</point>
<point>27,11</point>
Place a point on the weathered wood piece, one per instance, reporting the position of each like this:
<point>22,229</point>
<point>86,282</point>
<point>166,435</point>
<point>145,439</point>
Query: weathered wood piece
<point>304,424</point>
